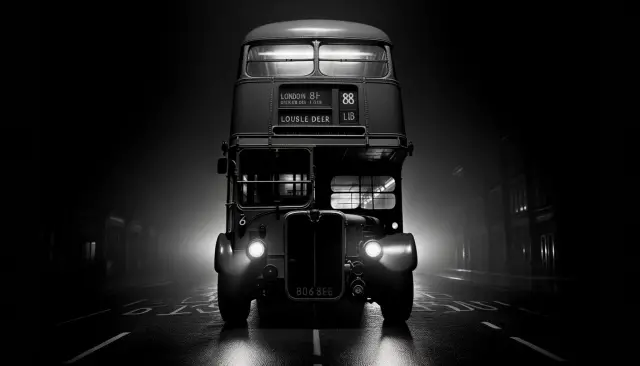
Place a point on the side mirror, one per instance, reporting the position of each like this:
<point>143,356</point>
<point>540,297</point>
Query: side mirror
<point>222,166</point>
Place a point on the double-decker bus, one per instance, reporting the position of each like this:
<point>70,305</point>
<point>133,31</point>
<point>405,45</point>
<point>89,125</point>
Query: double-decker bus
<point>313,167</point>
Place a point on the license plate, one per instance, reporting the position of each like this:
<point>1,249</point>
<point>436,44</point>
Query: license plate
<point>314,292</point>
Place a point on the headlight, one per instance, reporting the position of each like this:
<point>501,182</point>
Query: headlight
<point>394,226</point>
<point>256,249</point>
<point>373,249</point>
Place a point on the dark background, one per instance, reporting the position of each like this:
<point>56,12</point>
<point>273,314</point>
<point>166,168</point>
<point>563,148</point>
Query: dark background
<point>138,98</point>
<point>135,100</point>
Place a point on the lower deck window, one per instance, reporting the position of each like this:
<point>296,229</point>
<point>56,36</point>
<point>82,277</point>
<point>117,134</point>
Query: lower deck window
<point>274,188</point>
<point>274,177</point>
<point>366,192</point>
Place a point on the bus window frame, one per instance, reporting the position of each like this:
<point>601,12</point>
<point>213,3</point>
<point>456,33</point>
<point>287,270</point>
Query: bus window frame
<point>245,67</point>
<point>361,192</point>
<point>316,43</point>
<point>243,61</point>
<point>329,42</point>
<point>311,194</point>
<point>392,68</point>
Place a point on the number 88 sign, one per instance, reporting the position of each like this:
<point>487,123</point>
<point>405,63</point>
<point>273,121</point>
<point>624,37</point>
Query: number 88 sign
<point>348,99</point>
<point>348,106</point>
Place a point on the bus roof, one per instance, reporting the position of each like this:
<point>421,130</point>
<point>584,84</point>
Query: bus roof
<point>316,28</point>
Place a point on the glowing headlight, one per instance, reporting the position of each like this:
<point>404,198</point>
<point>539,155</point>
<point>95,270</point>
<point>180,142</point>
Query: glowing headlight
<point>256,249</point>
<point>373,249</point>
<point>394,226</point>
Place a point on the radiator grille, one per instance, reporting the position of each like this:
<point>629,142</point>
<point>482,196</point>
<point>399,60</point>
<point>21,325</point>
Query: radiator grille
<point>315,256</point>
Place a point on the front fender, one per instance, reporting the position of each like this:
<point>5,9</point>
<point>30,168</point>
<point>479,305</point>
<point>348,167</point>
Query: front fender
<point>228,261</point>
<point>223,250</point>
<point>399,252</point>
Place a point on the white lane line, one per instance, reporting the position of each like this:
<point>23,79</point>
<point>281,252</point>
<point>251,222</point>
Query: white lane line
<point>452,278</point>
<point>135,302</point>
<point>86,353</point>
<point>316,343</point>
<point>501,303</point>
<point>82,317</point>
<point>491,325</point>
<point>529,311</point>
<point>533,346</point>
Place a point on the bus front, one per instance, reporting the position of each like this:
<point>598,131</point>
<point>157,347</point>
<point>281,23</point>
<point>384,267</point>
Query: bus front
<point>313,165</point>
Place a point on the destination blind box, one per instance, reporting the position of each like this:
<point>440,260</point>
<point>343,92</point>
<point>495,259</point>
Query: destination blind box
<point>317,105</point>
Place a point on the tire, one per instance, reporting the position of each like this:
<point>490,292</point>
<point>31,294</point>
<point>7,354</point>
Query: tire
<point>233,304</point>
<point>397,301</point>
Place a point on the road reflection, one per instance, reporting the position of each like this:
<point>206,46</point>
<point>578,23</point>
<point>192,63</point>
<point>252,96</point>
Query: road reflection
<point>395,346</point>
<point>287,338</point>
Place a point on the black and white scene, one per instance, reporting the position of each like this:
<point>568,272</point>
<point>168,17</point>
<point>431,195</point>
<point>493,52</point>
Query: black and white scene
<point>316,183</point>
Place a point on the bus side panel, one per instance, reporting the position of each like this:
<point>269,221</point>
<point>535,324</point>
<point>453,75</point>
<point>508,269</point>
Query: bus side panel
<point>251,108</point>
<point>385,108</point>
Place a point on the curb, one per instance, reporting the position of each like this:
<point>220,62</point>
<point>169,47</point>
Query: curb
<point>157,284</point>
<point>119,287</point>
<point>543,284</point>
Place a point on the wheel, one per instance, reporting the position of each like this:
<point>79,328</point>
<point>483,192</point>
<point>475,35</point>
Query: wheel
<point>397,300</point>
<point>233,304</point>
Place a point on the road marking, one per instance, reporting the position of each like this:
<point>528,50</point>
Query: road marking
<point>176,312</point>
<point>533,346</point>
<point>434,295</point>
<point>135,302</point>
<point>529,311</point>
<point>86,353</point>
<point>157,304</point>
<point>139,311</point>
<point>213,306</point>
<point>501,303</point>
<point>316,343</point>
<point>469,308</point>
<point>82,317</point>
<point>205,301</point>
<point>481,306</point>
<point>423,307</point>
<point>491,325</point>
<point>206,293</point>
<point>453,278</point>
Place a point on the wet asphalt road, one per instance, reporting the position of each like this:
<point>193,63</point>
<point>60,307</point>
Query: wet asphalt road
<point>176,324</point>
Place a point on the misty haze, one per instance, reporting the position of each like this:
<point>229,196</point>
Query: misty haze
<point>312,183</point>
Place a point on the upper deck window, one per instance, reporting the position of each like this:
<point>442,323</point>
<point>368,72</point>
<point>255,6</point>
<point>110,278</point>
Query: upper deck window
<point>353,60</point>
<point>280,60</point>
